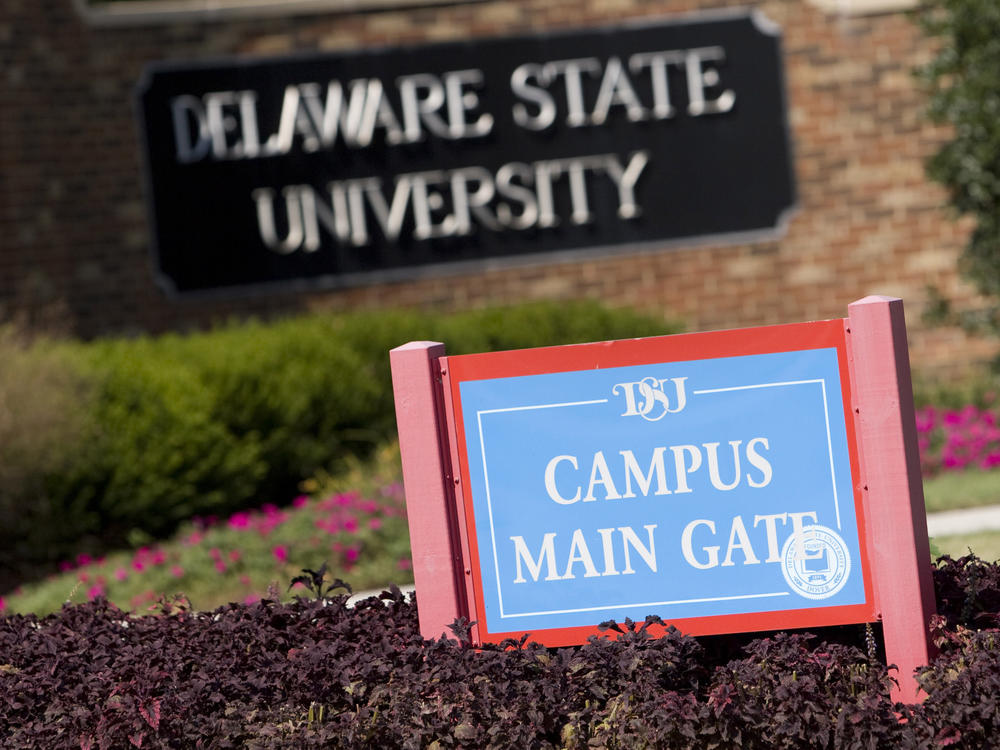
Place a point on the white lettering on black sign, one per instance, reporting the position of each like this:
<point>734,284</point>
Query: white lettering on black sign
<point>333,166</point>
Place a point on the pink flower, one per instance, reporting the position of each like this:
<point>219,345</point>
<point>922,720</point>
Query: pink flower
<point>83,559</point>
<point>121,574</point>
<point>176,571</point>
<point>404,563</point>
<point>65,565</point>
<point>3,604</point>
<point>351,554</point>
<point>220,566</point>
<point>280,553</point>
<point>239,520</point>
<point>251,599</point>
<point>952,461</point>
<point>138,565</point>
<point>375,524</point>
<point>159,557</point>
<point>234,555</point>
<point>301,501</point>
<point>245,579</point>
<point>94,591</point>
<point>351,525</point>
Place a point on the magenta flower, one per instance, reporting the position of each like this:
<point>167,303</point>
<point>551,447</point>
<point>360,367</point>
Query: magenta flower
<point>121,574</point>
<point>176,571</point>
<point>301,501</point>
<point>280,553</point>
<point>239,520</point>
<point>956,439</point>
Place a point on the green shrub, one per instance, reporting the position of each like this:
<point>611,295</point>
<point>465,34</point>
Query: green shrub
<point>161,455</point>
<point>209,423</point>
<point>301,396</point>
<point>44,423</point>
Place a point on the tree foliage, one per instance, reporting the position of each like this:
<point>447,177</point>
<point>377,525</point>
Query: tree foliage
<point>963,81</point>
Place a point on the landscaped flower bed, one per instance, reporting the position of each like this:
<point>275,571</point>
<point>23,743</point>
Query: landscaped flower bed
<point>214,561</point>
<point>315,673</point>
<point>957,439</point>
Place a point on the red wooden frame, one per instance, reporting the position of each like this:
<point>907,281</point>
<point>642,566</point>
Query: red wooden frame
<point>878,406</point>
<point>795,337</point>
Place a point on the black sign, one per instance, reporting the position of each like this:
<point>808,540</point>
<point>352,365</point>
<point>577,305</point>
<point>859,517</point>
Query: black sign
<point>331,169</point>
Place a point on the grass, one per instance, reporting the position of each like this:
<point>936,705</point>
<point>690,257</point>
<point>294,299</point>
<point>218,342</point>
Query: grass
<point>355,523</point>
<point>972,488</point>
<point>953,490</point>
<point>984,544</point>
<point>962,489</point>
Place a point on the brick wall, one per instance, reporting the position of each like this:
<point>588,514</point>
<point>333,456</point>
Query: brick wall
<point>74,241</point>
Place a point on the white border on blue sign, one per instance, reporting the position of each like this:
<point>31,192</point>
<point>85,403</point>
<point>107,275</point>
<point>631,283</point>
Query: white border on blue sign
<point>707,391</point>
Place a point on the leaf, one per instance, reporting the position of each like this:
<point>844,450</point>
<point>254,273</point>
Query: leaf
<point>152,717</point>
<point>465,732</point>
<point>948,736</point>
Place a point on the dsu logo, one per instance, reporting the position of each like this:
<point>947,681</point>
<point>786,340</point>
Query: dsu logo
<point>647,398</point>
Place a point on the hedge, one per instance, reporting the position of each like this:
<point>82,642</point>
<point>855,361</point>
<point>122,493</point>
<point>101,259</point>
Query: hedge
<point>209,423</point>
<point>315,673</point>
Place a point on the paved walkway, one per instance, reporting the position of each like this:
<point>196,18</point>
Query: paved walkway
<point>964,521</point>
<point>375,592</point>
<point>947,523</point>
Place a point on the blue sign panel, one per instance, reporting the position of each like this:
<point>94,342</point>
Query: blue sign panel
<point>685,489</point>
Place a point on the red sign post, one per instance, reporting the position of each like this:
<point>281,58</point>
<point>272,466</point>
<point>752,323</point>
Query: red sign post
<point>497,450</point>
